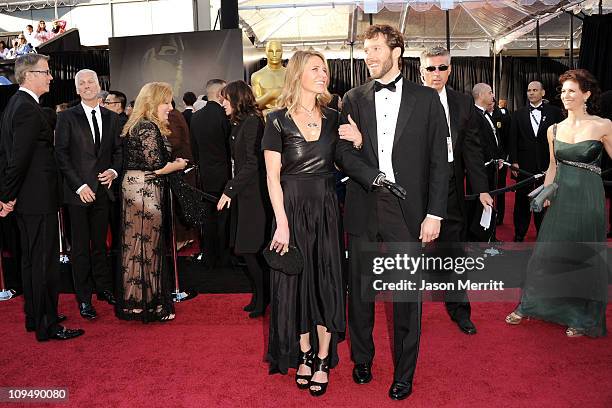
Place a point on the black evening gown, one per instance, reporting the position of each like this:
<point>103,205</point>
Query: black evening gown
<point>315,297</point>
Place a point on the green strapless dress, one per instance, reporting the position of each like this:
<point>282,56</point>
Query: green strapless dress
<point>566,280</point>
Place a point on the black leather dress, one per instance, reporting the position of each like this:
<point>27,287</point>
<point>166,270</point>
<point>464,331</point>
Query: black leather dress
<point>315,297</point>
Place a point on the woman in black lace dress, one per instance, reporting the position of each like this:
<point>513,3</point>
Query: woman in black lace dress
<point>145,287</point>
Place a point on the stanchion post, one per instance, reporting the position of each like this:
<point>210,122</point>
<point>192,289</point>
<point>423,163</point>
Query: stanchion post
<point>177,295</point>
<point>5,294</point>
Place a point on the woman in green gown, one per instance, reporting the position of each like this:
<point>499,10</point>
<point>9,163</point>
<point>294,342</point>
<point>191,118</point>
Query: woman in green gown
<point>567,276</point>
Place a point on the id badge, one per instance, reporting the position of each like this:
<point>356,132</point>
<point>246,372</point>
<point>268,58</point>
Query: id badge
<point>449,148</point>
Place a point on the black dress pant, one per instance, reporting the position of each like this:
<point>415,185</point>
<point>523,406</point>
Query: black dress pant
<point>40,271</point>
<point>215,232</point>
<point>452,230</point>
<point>501,198</point>
<point>387,225</point>
<point>89,226</point>
<point>522,213</point>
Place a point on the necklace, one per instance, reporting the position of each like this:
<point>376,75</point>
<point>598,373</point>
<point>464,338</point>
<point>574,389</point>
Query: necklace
<point>312,124</point>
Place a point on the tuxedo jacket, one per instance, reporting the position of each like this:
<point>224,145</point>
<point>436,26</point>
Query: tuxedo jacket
<point>76,153</point>
<point>210,131</point>
<point>467,150</point>
<point>419,156</point>
<point>491,149</point>
<point>28,168</point>
<point>527,149</point>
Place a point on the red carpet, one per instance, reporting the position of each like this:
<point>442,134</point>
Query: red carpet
<point>212,355</point>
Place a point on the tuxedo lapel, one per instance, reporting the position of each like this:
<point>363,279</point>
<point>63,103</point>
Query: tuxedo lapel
<point>87,137</point>
<point>453,112</point>
<point>405,110</point>
<point>369,115</point>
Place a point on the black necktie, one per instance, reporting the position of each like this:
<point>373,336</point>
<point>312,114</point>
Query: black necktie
<point>96,131</point>
<point>390,86</point>
<point>532,108</point>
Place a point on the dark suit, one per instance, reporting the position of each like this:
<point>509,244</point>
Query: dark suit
<point>531,153</point>
<point>80,164</point>
<point>492,148</point>
<point>502,119</point>
<point>29,173</point>
<point>187,114</point>
<point>420,165</point>
<point>467,158</point>
<point>210,130</point>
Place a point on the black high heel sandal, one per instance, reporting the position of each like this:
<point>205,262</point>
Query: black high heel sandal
<point>320,364</point>
<point>306,358</point>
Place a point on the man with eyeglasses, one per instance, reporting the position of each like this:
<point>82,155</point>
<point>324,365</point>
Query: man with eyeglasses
<point>116,102</point>
<point>464,156</point>
<point>30,186</point>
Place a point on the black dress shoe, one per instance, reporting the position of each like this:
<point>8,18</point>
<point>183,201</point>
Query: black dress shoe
<point>30,326</point>
<point>65,334</point>
<point>87,311</point>
<point>108,297</point>
<point>466,326</point>
<point>362,373</point>
<point>400,390</point>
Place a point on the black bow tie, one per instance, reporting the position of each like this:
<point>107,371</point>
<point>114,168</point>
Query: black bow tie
<point>390,86</point>
<point>532,108</point>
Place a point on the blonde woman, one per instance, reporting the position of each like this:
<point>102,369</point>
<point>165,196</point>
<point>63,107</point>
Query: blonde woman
<point>145,284</point>
<point>299,143</point>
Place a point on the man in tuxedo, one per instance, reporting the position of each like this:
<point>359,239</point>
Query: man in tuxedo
<point>529,151</point>
<point>116,101</point>
<point>501,119</point>
<point>30,185</point>
<point>464,155</point>
<point>210,131</point>
<point>189,98</point>
<point>491,142</point>
<point>404,135</point>
<point>89,153</point>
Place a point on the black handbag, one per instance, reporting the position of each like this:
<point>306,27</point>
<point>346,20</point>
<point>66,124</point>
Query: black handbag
<point>290,263</point>
<point>540,195</point>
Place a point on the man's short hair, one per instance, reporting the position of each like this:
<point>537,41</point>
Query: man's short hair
<point>84,71</point>
<point>479,89</point>
<point>189,98</point>
<point>121,96</point>
<point>25,63</point>
<point>214,82</point>
<point>103,94</point>
<point>393,37</point>
<point>436,51</point>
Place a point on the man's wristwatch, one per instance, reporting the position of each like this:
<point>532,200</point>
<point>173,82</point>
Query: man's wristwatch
<point>378,181</point>
<point>358,147</point>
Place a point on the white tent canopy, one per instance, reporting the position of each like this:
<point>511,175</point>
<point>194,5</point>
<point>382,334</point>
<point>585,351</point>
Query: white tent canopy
<point>506,23</point>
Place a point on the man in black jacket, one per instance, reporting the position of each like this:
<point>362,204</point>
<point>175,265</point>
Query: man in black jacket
<point>210,131</point>
<point>404,135</point>
<point>30,185</point>
<point>529,151</point>
<point>89,154</point>
<point>464,155</point>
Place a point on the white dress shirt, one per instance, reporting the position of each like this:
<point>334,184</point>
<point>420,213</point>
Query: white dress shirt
<point>449,141</point>
<point>535,116</point>
<point>387,106</point>
<point>88,110</point>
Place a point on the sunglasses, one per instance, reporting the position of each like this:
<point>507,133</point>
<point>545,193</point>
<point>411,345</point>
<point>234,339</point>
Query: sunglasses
<point>440,68</point>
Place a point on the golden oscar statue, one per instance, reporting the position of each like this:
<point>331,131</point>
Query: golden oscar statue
<point>267,83</point>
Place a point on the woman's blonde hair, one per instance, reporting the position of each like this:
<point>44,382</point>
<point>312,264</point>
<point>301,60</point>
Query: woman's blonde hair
<point>148,100</point>
<point>291,94</point>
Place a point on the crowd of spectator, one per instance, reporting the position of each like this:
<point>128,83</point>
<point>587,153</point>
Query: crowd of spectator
<point>27,41</point>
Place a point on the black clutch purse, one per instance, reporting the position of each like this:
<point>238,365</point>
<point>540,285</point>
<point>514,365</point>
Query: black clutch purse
<point>541,194</point>
<point>291,263</point>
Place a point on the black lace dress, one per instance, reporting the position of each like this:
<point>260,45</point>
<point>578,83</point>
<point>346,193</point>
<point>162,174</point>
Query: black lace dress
<point>144,285</point>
